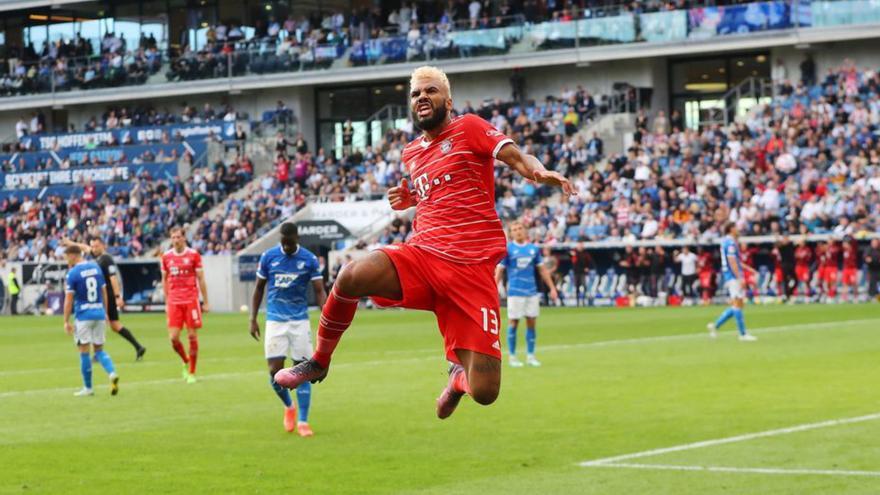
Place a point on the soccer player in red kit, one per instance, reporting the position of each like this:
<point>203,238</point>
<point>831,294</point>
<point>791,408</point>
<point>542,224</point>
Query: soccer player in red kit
<point>831,269</point>
<point>778,275</point>
<point>747,257</point>
<point>803,259</point>
<point>706,269</point>
<point>182,280</point>
<point>448,264</point>
<point>851,269</point>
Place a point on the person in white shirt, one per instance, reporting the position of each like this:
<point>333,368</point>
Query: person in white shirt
<point>688,261</point>
<point>21,128</point>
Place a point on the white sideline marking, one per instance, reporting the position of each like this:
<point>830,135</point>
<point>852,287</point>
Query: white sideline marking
<point>209,377</point>
<point>727,440</point>
<point>558,347</point>
<point>724,469</point>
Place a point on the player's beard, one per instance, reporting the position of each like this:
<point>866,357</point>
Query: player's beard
<point>438,116</point>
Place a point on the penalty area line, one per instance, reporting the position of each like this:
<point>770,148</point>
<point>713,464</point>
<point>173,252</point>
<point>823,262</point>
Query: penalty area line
<point>744,470</point>
<point>617,460</point>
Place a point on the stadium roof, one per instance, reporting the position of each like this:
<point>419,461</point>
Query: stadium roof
<point>31,4</point>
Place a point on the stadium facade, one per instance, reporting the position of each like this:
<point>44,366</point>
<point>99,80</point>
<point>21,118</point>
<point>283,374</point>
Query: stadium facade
<point>688,59</point>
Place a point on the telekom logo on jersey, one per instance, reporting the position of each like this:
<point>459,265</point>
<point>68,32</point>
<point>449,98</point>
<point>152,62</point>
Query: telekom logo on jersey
<point>423,184</point>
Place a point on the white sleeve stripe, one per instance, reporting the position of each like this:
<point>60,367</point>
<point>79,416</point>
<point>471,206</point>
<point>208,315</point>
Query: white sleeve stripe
<point>260,276</point>
<point>499,145</point>
<point>319,277</point>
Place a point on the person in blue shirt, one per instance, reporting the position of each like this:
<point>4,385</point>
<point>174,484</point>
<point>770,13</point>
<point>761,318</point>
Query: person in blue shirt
<point>522,262</point>
<point>733,271</point>
<point>287,270</point>
<point>86,298</point>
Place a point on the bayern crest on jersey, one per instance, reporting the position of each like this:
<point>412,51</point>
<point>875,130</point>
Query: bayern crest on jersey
<point>445,146</point>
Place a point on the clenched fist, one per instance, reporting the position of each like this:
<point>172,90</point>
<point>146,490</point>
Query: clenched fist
<point>401,197</point>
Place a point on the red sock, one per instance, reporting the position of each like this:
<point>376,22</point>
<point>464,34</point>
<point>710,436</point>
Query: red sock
<point>193,352</point>
<point>460,383</point>
<point>178,347</point>
<point>335,319</point>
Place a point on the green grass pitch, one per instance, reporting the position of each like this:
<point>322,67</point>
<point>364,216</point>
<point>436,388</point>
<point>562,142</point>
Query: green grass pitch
<point>614,382</point>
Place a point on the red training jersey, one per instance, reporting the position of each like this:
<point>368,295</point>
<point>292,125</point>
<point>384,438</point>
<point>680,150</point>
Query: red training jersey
<point>850,257</point>
<point>704,263</point>
<point>454,179</point>
<point>803,256</point>
<point>180,275</point>
<point>832,256</point>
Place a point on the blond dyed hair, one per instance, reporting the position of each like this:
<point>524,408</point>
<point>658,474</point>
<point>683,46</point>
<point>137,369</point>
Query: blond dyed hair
<point>430,72</point>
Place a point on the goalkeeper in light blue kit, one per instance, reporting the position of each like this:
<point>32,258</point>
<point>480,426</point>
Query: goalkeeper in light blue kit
<point>733,271</point>
<point>288,269</point>
<point>522,262</point>
<point>85,298</point>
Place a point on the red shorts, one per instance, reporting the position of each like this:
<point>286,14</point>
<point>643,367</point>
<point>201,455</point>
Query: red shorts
<point>749,278</point>
<point>463,297</point>
<point>830,275</point>
<point>777,273</point>
<point>850,276</point>
<point>706,280</point>
<point>802,272</point>
<point>184,314</point>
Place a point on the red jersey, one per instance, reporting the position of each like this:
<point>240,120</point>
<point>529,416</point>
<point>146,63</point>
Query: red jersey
<point>704,263</point>
<point>777,258</point>
<point>832,256</point>
<point>803,256</point>
<point>850,257</point>
<point>454,179</point>
<point>180,275</point>
<point>747,256</point>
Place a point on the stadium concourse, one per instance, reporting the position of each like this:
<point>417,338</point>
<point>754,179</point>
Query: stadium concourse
<point>433,29</point>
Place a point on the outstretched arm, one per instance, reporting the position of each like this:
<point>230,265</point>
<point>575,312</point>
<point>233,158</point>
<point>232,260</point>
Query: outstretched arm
<point>85,247</point>
<point>531,168</point>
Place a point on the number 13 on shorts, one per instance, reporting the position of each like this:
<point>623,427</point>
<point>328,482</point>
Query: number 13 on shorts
<point>490,320</point>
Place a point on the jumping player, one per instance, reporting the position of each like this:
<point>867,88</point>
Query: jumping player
<point>733,271</point>
<point>522,259</point>
<point>288,269</point>
<point>447,265</point>
<point>182,279</point>
<point>86,297</point>
<point>98,250</point>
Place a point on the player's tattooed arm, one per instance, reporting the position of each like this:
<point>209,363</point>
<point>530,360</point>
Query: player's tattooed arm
<point>531,168</point>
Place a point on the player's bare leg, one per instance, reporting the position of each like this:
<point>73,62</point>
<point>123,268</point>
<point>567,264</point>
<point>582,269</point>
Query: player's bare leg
<point>193,337</point>
<point>276,365</point>
<point>478,375</point>
<point>372,275</point>
<point>531,336</point>
<point>512,327</point>
<point>177,345</point>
